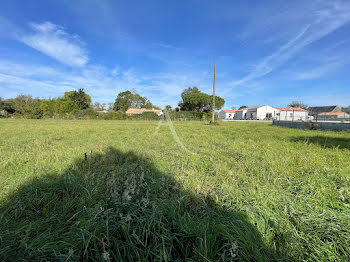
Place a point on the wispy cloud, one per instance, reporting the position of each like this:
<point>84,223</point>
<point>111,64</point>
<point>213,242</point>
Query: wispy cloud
<point>324,22</point>
<point>102,83</point>
<point>167,46</point>
<point>54,41</point>
<point>316,71</point>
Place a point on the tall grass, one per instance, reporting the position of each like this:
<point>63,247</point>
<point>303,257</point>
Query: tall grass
<point>115,191</point>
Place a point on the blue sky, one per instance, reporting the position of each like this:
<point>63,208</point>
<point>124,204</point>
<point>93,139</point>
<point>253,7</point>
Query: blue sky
<point>267,52</point>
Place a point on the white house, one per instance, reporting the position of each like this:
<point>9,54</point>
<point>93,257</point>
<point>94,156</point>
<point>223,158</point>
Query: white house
<point>227,114</point>
<point>257,112</point>
<point>239,114</point>
<point>291,114</point>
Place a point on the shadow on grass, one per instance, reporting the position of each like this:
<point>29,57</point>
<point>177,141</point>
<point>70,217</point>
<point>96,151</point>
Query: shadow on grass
<point>325,141</point>
<point>116,206</point>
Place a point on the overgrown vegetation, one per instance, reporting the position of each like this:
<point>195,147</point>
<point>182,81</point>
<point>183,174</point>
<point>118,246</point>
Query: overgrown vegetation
<point>115,191</point>
<point>78,105</point>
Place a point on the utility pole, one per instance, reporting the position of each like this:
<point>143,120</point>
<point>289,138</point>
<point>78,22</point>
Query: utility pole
<point>213,113</point>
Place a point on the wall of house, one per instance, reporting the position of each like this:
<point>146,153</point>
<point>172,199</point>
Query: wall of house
<point>230,115</point>
<point>288,115</point>
<point>328,126</point>
<point>250,113</point>
<point>240,114</point>
<point>264,110</point>
<point>224,115</point>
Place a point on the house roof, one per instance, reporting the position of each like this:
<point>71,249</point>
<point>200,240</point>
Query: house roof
<point>321,109</point>
<point>135,110</point>
<point>253,107</point>
<point>229,111</point>
<point>142,110</point>
<point>331,113</point>
<point>102,111</point>
<point>247,108</point>
<point>290,109</point>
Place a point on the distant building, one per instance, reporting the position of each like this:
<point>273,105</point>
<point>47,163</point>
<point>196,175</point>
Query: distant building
<point>257,112</point>
<point>137,111</point>
<point>240,113</point>
<point>333,116</point>
<point>292,114</point>
<point>102,112</point>
<point>227,114</point>
<point>316,110</point>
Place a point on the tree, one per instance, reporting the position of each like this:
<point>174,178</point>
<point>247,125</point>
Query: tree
<point>168,108</point>
<point>198,101</point>
<point>242,107</point>
<point>99,107</point>
<point>188,91</point>
<point>128,99</point>
<point>346,109</point>
<point>28,106</point>
<point>110,106</point>
<point>79,98</point>
<point>7,105</point>
<point>234,108</point>
<point>298,104</point>
<point>148,105</point>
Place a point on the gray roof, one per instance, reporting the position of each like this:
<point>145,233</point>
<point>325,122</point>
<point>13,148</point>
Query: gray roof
<point>321,109</point>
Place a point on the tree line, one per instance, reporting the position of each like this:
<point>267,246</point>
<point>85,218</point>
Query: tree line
<point>78,104</point>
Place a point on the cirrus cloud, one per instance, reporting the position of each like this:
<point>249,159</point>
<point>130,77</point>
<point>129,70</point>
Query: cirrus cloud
<point>52,40</point>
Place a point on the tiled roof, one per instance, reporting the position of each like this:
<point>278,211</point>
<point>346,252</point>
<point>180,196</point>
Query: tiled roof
<point>252,107</point>
<point>290,109</point>
<point>135,110</point>
<point>142,110</point>
<point>229,111</point>
<point>331,113</point>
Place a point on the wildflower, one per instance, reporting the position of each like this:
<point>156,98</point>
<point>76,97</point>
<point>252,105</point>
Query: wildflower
<point>105,256</point>
<point>233,249</point>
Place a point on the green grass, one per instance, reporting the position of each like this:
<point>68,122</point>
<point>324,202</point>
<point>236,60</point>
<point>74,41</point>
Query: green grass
<point>115,191</point>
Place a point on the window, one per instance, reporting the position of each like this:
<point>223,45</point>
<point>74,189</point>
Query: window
<point>291,114</point>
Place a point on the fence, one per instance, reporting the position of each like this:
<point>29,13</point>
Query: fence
<point>325,125</point>
<point>296,116</point>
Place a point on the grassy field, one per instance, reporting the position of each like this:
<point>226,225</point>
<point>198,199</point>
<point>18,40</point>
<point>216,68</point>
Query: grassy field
<point>115,191</point>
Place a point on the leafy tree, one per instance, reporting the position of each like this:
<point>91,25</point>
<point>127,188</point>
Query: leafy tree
<point>346,109</point>
<point>128,99</point>
<point>22,103</point>
<point>110,106</point>
<point>168,107</point>
<point>28,106</point>
<point>48,107</point>
<point>99,107</point>
<point>148,105</point>
<point>242,107</point>
<point>188,91</point>
<point>298,104</point>
<point>194,100</point>
<point>64,106</point>
<point>80,99</point>
<point>234,108</point>
<point>7,105</point>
